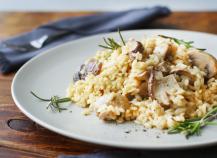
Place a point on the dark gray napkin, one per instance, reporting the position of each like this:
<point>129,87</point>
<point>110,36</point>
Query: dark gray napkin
<point>184,153</point>
<point>16,51</point>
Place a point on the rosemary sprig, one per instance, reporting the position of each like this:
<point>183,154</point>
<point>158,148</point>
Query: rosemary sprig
<point>54,102</point>
<point>193,126</point>
<point>187,44</point>
<point>122,39</point>
<point>110,43</point>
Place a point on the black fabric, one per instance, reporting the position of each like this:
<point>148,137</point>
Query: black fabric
<point>16,51</point>
<point>209,152</point>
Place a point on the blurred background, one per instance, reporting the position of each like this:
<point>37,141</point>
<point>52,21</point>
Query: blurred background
<point>104,5</point>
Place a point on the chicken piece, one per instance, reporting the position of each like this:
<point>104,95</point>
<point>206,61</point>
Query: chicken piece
<point>110,106</point>
<point>165,48</point>
<point>162,49</point>
<point>164,67</point>
<point>161,89</point>
<point>143,86</point>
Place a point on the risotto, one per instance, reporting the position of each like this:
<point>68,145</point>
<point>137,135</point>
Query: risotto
<point>157,82</point>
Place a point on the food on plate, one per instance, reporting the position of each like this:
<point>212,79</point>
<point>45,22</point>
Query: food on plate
<point>158,82</point>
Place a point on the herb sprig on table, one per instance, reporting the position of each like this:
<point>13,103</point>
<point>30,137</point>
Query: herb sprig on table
<point>110,43</point>
<point>187,44</point>
<point>54,102</point>
<point>193,126</point>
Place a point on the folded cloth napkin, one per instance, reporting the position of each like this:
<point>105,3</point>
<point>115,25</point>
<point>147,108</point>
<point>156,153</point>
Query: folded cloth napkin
<point>184,153</point>
<point>108,154</point>
<point>16,51</point>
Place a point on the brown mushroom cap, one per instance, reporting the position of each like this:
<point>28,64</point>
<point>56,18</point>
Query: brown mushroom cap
<point>92,66</point>
<point>143,89</point>
<point>135,47</point>
<point>204,61</point>
<point>76,76</point>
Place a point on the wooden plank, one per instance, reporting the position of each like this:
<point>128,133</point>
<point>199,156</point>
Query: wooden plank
<point>15,23</point>
<point>195,21</point>
<point>12,153</point>
<point>20,22</point>
<point>20,133</point>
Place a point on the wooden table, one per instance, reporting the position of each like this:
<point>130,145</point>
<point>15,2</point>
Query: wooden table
<point>19,136</point>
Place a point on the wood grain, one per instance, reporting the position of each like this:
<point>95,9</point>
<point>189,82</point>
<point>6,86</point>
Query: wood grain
<point>13,153</point>
<point>20,133</point>
<point>19,136</point>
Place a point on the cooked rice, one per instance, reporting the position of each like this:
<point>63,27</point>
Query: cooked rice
<point>108,93</point>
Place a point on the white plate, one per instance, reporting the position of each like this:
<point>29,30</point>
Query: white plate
<point>51,72</point>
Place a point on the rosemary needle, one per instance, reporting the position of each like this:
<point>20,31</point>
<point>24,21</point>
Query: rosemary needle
<point>54,102</point>
<point>110,43</point>
<point>193,126</point>
<point>119,32</point>
<point>187,44</point>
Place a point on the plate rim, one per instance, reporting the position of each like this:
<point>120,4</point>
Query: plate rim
<point>88,139</point>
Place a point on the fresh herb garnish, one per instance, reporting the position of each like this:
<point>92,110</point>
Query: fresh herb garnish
<point>187,44</point>
<point>201,49</point>
<point>54,102</point>
<point>122,39</point>
<point>110,43</point>
<point>193,126</point>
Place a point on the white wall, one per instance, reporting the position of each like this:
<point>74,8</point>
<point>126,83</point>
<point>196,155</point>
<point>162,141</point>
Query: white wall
<point>104,5</point>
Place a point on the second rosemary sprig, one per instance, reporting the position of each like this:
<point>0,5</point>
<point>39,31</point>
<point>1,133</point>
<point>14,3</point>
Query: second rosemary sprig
<point>187,44</point>
<point>193,126</point>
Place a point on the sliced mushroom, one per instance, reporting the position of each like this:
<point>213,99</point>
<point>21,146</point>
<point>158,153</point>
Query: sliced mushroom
<point>184,73</point>
<point>151,84</point>
<point>76,77</point>
<point>135,47</point>
<point>130,96</point>
<point>92,66</point>
<point>204,61</point>
<point>163,88</point>
<point>143,89</point>
<point>82,72</point>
